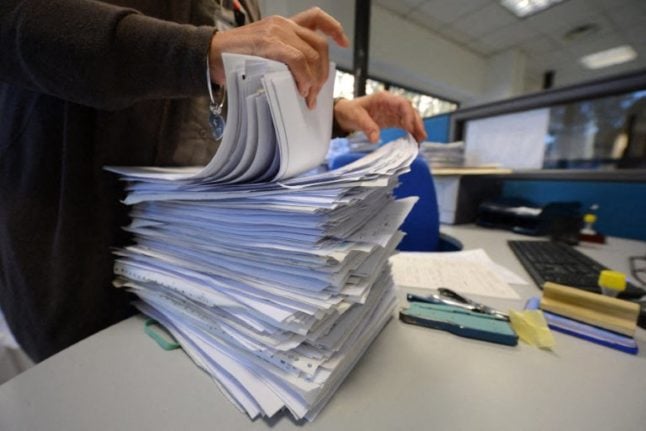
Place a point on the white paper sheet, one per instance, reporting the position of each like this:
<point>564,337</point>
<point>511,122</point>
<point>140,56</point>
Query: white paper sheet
<point>301,135</point>
<point>515,141</point>
<point>464,275</point>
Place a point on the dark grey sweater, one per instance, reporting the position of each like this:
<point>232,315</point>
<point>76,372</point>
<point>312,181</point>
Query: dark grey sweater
<point>85,84</point>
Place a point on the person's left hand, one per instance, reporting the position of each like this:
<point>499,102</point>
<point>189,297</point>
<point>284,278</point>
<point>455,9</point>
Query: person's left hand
<point>371,113</point>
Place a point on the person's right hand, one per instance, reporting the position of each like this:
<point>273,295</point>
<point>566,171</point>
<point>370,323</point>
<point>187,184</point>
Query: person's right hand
<point>294,42</point>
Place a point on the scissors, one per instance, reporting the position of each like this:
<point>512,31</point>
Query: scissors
<point>452,298</point>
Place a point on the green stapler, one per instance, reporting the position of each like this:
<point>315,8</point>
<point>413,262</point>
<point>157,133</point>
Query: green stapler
<point>459,320</point>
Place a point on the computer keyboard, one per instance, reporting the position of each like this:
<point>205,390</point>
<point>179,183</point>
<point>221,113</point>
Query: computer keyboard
<point>563,264</point>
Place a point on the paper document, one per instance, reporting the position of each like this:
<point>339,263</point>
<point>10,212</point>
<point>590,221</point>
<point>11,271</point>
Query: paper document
<point>465,272</point>
<point>481,256</point>
<point>270,132</point>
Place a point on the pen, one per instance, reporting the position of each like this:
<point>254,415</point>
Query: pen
<point>471,305</point>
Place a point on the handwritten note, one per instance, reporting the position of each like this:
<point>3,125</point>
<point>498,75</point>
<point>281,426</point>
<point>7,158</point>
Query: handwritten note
<point>460,273</point>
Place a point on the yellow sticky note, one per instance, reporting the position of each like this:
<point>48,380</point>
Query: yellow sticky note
<point>531,327</point>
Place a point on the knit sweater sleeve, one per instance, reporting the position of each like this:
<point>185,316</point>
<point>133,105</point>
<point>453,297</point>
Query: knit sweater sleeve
<point>99,55</point>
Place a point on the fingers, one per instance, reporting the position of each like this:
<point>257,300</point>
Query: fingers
<point>368,126</point>
<point>303,50</point>
<point>420,131</point>
<point>294,42</point>
<point>316,19</point>
<point>304,61</point>
<point>364,122</point>
<point>410,120</point>
<point>383,109</point>
<point>391,110</point>
<point>351,116</point>
<point>319,63</point>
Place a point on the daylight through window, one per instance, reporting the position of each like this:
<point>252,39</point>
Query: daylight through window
<point>425,104</point>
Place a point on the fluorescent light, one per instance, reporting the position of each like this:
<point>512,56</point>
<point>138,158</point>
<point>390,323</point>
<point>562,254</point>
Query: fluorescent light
<point>609,57</point>
<point>524,8</point>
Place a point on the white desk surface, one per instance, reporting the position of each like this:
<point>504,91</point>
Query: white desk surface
<point>411,378</point>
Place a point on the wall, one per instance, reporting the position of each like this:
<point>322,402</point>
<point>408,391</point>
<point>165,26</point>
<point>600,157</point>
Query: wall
<point>401,51</point>
<point>504,76</point>
<point>622,206</point>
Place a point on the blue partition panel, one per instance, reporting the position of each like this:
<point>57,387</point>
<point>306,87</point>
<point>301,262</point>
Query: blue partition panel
<point>622,206</point>
<point>391,134</point>
<point>437,128</point>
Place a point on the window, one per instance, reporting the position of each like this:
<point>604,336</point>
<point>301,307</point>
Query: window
<point>425,104</point>
<point>373,86</point>
<point>603,132</point>
<point>344,85</point>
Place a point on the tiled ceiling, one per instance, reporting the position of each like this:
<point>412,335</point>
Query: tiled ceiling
<point>487,28</point>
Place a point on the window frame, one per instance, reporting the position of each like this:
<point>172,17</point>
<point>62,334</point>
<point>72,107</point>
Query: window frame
<point>388,84</point>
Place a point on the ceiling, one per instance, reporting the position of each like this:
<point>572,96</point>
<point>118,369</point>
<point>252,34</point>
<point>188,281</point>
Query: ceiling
<point>486,28</point>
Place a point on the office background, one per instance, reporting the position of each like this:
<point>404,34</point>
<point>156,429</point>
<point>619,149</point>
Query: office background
<point>471,53</point>
<point>475,51</point>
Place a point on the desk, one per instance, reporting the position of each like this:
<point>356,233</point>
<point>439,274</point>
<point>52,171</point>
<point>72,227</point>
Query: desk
<point>460,191</point>
<point>411,378</point>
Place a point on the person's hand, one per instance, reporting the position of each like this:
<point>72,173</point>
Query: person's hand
<point>371,113</point>
<point>295,42</point>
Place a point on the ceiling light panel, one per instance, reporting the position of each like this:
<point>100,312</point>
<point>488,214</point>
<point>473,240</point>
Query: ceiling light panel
<point>525,8</point>
<point>609,57</point>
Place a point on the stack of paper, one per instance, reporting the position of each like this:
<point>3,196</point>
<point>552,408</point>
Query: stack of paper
<point>441,155</point>
<point>274,289</point>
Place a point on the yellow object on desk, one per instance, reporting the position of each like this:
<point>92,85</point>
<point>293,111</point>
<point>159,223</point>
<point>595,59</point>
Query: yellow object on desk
<point>531,327</point>
<point>599,310</point>
<point>612,282</point>
<point>590,218</point>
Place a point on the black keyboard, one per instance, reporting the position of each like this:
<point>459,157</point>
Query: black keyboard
<point>563,264</point>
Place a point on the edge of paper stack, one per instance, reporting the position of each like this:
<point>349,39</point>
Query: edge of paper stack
<point>275,289</point>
